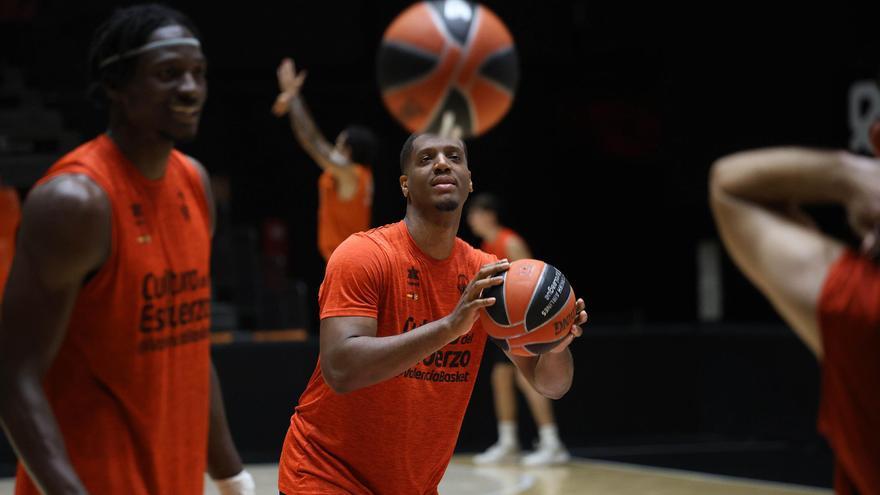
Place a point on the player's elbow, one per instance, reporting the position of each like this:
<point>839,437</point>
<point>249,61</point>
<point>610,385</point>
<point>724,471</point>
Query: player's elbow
<point>340,378</point>
<point>552,379</point>
<point>555,390</point>
<point>719,176</point>
<point>722,180</point>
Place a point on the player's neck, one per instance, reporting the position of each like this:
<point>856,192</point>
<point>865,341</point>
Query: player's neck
<point>148,153</point>
<point>434,235</point>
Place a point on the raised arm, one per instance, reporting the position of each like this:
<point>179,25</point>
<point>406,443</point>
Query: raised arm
<point>353,357</point>
<point>755,197</point>
<point>65,235</point>
<point>308,135</point>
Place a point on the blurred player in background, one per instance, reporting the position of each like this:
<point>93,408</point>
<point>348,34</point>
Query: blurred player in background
<point>828,292</point>
<point>106,381</point>
<point>10,216</point>
<point>346,185</point>
<point>483,214</point>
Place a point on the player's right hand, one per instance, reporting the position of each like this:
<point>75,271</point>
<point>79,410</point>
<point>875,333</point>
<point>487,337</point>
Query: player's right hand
<point>863,203</point>
<point>465,313</point>
<point>289,84</point>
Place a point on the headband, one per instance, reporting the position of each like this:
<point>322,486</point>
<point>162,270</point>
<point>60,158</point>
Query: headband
<point>147,47</point>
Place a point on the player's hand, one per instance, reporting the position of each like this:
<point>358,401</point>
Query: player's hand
<point>289,84</point>
<point>576,330</point>
<point>464,315</point>
<point>871,244</point>
<point>240,484</point>
<point>863,197</point>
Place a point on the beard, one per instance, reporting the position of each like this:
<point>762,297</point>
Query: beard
<point>447,205</point>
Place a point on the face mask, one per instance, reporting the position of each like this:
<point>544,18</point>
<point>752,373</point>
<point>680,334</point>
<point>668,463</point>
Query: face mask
<point>337,157</point>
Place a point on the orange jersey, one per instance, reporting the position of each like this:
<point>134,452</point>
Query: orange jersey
<point>849,413</point>
<point>130,385</point>
<point>498,247</point>
<point>338,219</point>
<point>394,437</point>
<point>10,216</point>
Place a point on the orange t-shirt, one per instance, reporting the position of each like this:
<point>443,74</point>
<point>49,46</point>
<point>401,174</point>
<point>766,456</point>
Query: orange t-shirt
<point>338,219</point>
<point>130,385</point>
<point>394,437</point>
<point>849,413</point>
<point>498,247</point>
<point>10,215</point>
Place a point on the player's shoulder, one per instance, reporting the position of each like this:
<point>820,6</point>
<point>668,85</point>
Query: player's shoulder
<point>69,212</point>
<point>472,254</point>
<point>378,242</point>
<point>70,195</point>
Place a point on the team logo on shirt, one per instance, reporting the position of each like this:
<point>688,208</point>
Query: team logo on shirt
<point>184,209</point>
<point>462,283</point>
<point>412,280</point>
<point>140,221</point>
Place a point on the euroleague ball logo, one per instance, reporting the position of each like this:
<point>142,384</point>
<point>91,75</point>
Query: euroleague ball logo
<point>445,60</point>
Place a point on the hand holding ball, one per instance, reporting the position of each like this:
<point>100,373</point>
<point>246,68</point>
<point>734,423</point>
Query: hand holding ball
<point>534,311</point>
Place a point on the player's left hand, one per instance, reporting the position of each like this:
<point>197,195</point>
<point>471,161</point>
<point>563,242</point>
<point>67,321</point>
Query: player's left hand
<point>576,330</point>
<point>240,484</point>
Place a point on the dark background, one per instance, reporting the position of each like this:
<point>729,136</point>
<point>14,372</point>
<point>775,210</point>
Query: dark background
<point>603,161</point>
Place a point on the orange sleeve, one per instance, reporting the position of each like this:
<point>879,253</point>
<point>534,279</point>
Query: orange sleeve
<point>353,280</point>
<point>486,258</point>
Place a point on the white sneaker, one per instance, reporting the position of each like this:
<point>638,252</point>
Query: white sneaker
<point>498,453</point>
<point>546,455</point>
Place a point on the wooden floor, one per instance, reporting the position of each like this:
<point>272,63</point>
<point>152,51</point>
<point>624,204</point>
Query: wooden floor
<point>579,477</point>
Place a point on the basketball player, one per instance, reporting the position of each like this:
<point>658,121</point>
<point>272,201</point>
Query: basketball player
<point>346,185</point>
<point>106,382</point>
<point>482,217</point>
<point>827,292</point>
<point>398,359</point>
<point>10,216</point>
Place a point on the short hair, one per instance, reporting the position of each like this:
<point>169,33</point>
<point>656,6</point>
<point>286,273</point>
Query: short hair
<point>127,29</point>
<point>486,201</point>
<point>363,144</point>
<point>407,149</point>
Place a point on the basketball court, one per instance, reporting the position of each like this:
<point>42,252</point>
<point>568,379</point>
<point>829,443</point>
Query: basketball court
<point>581,477</point>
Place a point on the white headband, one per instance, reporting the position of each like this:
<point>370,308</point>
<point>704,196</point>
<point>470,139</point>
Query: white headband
<point>147,47</point>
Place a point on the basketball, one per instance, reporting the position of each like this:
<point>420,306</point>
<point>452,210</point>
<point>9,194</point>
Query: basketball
<point>447,57</point>
<point>534,308</point>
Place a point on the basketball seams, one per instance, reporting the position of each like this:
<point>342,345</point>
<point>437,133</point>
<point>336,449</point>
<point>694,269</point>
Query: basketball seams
<point>465,51</point>
<point>455,83</point>
<point>569,301</point>
<point>501,88</point>
<point>535,294</point>
<point>451,42</point>
<point>401,45</point>
<point>456,71</point>
<point>506,307</point>
<point>492,57</point>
